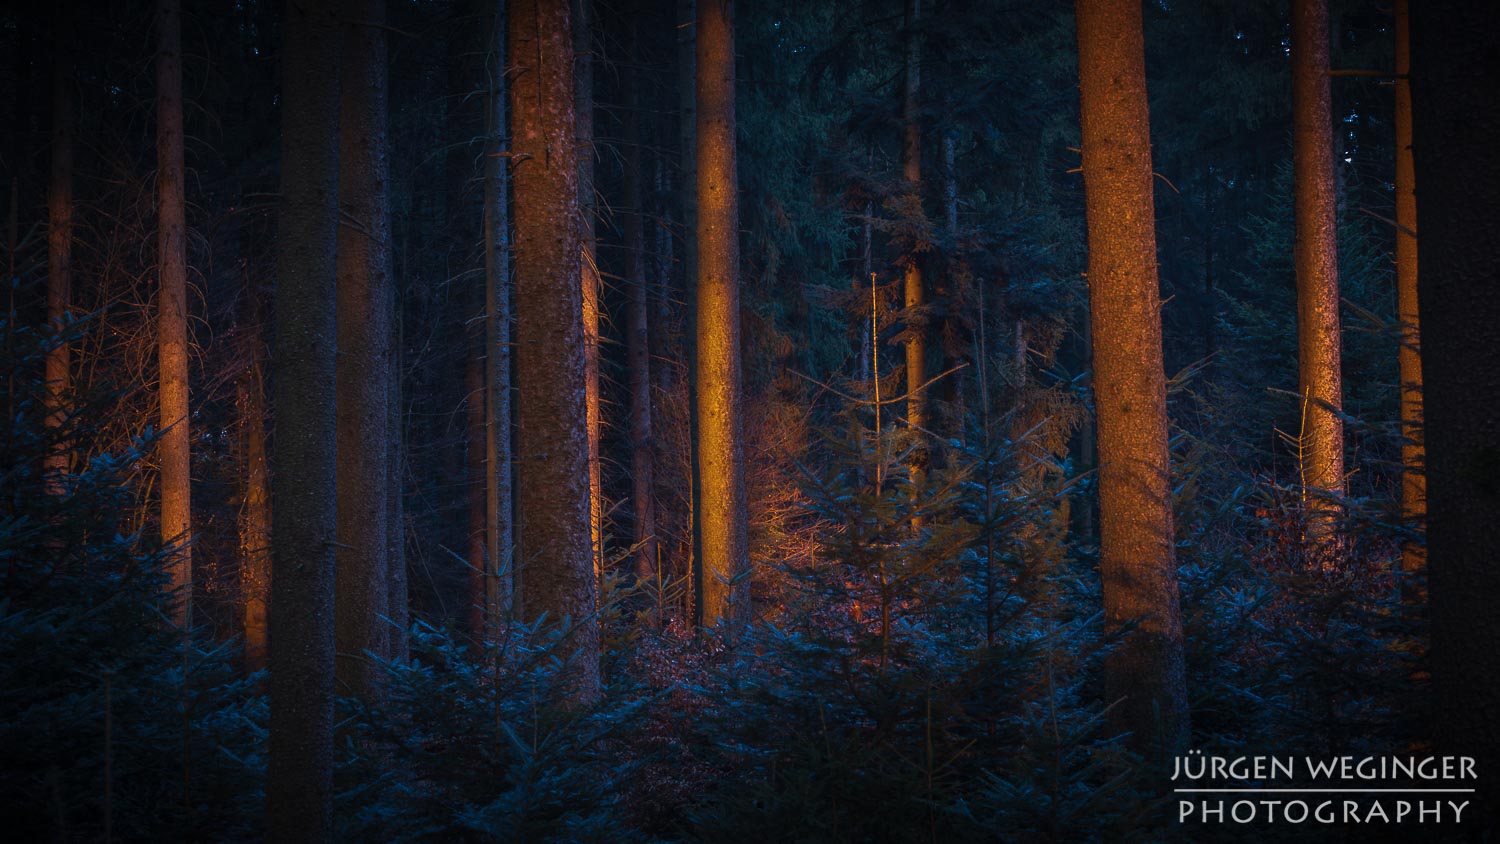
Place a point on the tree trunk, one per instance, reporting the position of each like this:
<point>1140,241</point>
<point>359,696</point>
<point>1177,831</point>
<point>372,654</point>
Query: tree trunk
<point>583,86</point>
<point>59,235</point>
<point>915,291</point>
<point>721,458</point>
<point>1145,674</point>
<point>255,516</point>
<point>552,439</point>
<point>175,447</point>
<point>1458,167</point>
<point>638,326</point>
<point>1409,357</point>
<point>687,176</point>
<point>498,481</point>
<point>398,605</point>
<point>1316,256</point>
<point>364,336</point>
<point>300,762</point>
<point>477,472</point>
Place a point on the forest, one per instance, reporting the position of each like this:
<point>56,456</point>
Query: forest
<point>763,421</point>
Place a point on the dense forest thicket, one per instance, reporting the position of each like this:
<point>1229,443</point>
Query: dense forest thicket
<point>784,420</point>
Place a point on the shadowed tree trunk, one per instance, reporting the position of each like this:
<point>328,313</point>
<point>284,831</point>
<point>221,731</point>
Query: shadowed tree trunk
<point>721,458</point>
<point>1144,677</point>
<point>397,605</point>
<point>499,498</point>
<point>687,183</point>
<point>1316,256</point>
<point>175,448</point>
<point>1458,168</point>
<point>638,325</point>
<point>557,573</point>
<point>476,434</point>
<point>255,516</point>
<point>59,230</point>
<point>1413,481</point>
<point>583,86</point>
<point>364,333</point>
<point>299,786</point>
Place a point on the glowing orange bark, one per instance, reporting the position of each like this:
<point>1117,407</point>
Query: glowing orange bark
<point>1413,457</point>
<point>583,87</point>
<point>174,449</point>
<point>59,232</point>
<point>1144,677</point>
<point>721,460</point>
<point>915,290</point>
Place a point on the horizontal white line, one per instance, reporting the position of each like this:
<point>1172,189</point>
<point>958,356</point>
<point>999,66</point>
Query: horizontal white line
<point>1324,790</point>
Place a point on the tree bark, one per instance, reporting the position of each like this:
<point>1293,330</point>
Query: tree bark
<point>913,285</point>
<point>477,472</point>
<point>175,448</point>
<point>687,182</point>
<point>59,236</point>
<point>1143,677</point>
<point>499,481</point>
<point>721,458</point>
<point>1408,312</point>
<point>583,86</point>
<point>255,516</point>
<point>638,326</point>
<point>364,337</point>
<point>1319,340</point>
<point>1458,167</point>
<point>300,762</point>
<point>552,439</point>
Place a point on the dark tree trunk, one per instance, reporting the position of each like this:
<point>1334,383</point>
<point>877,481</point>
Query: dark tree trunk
<point>638,325</point>
<point>1458,168</point>
<point>59,231</point>
<point>364,332</point>
<point>556,563</point>
<point>500,493</point>
<point>300,766</point>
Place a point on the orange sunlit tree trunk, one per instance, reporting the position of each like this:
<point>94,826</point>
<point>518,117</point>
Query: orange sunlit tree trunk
<point>364,337</point>
<point>255,512</point>
<point>638,325</point>
<point>721,459</point>
<point>556,560</point>
<point>59,231</point>
<point>175,448</point>
<point>299,775</point>
<point>1319,341</point>
<point>583,86</point>
<point>1144,676</point>
<point>914,286</point>
<point>1457,164</point>
<point>1413,479</point>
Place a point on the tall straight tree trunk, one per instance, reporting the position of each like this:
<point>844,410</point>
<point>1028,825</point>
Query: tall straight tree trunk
<point>175,448</point>
<point>59,233</point>
<point>687,184</point>
<point>397,605</point>
<point>255,515</point>
<point>638,325</point>
<point>1458,167</point>
<point>1409,357</point>
<point>721,457</point>
<point>915,289</point>
<point>558,576</point>
<point>364,336</point>
<point>956,343</point>
<point>476,470</point>
<point>1319,341</point>
<point>583,86</point>
<point>299,787</point>
<point>499,500</point>
<point>1144,676</point>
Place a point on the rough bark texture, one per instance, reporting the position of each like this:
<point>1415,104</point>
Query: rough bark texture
<point>174,451</point>
<point>255,516</point>
<point>1413,479</point>
<point>638,327</point>
<point>364,334</point>
<point>687,182</point>
<point>59,228</point>
<point>1454,68</point>
<point>1145,674</point>
<point>300,764</point>
<point>913,285</point>
<point>583,87</point>
<point>1316,256</point>
<point>721,458</point>
<point>556,562</point>
<point>497,318</point>
<point>476,434</point>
